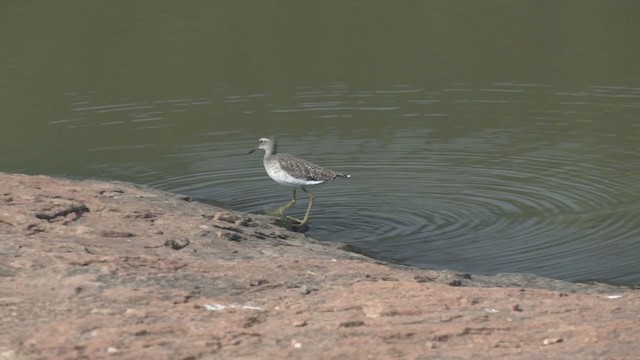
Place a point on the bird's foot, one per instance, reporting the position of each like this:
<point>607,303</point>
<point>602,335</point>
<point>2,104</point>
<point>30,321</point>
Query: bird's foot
<point>279,211</point>
<point>275,212</point>
<point>298,221</point>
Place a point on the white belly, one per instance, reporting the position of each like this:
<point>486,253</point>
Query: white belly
<point>282,177</point>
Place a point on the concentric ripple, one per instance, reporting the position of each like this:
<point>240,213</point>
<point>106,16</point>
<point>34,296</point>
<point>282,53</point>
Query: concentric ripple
<point>526,212</point>
<point>488,178</point>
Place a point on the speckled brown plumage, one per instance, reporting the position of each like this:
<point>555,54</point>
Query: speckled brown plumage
<point>305,170</point>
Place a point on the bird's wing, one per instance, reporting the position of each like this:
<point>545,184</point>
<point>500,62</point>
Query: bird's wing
<point>308,170</point>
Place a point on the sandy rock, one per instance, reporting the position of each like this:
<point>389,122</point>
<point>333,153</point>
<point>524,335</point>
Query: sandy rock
<point>92,269</point>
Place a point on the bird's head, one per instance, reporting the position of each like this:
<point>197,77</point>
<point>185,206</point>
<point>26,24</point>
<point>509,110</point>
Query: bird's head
<point>266,144</point>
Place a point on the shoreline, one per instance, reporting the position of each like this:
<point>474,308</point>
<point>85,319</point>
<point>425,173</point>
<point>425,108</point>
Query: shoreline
<point>85,262</point>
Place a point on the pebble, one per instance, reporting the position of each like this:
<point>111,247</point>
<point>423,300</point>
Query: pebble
<point>226,216</point>
<point>300,323</point>
<point>550,341</point>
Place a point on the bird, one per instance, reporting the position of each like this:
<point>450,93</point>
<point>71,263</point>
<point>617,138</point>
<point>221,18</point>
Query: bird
<point>289,170</point>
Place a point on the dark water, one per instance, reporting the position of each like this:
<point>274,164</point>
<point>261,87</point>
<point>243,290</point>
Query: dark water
<point>481,137</point>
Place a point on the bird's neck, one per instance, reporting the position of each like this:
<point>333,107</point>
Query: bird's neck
<point>268,154</point>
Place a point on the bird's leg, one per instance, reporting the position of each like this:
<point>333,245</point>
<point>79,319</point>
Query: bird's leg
<point>281,209</point>
<point>290,203</point>
<point>306,215</point>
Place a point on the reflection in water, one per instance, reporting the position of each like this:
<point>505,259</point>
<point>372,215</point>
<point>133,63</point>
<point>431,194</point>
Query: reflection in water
<point>487,178</point>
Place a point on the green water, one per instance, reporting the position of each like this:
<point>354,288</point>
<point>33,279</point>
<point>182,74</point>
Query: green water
<point>493,136</point>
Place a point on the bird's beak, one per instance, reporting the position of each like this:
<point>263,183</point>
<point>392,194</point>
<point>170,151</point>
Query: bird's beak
<point>252,150</point>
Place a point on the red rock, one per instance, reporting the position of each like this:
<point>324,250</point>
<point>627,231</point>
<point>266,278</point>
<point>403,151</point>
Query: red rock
<point>192,285</point>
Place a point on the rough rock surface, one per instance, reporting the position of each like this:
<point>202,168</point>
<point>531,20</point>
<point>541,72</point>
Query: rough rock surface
<point>93,270</point>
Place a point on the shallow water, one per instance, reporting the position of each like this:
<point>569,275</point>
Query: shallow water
<point>452,165</point>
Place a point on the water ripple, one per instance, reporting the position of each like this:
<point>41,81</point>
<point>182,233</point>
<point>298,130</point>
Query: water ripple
<point>546,186</point>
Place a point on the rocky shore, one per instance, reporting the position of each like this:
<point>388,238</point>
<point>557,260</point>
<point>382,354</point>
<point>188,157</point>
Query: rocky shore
<point>93,270</point>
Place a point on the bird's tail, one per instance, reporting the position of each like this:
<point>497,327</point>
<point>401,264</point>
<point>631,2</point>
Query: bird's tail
<point>343,175</point>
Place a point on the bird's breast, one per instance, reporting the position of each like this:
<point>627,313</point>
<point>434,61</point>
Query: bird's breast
<point>282,177</point>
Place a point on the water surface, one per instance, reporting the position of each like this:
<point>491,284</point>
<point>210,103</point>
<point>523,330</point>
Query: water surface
<point>480,137</point>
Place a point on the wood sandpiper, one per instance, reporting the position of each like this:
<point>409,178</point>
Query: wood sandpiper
<point>293,171</point>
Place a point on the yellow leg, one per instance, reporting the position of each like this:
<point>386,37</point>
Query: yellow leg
<point>280,210</point>
<point>306,215</point>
